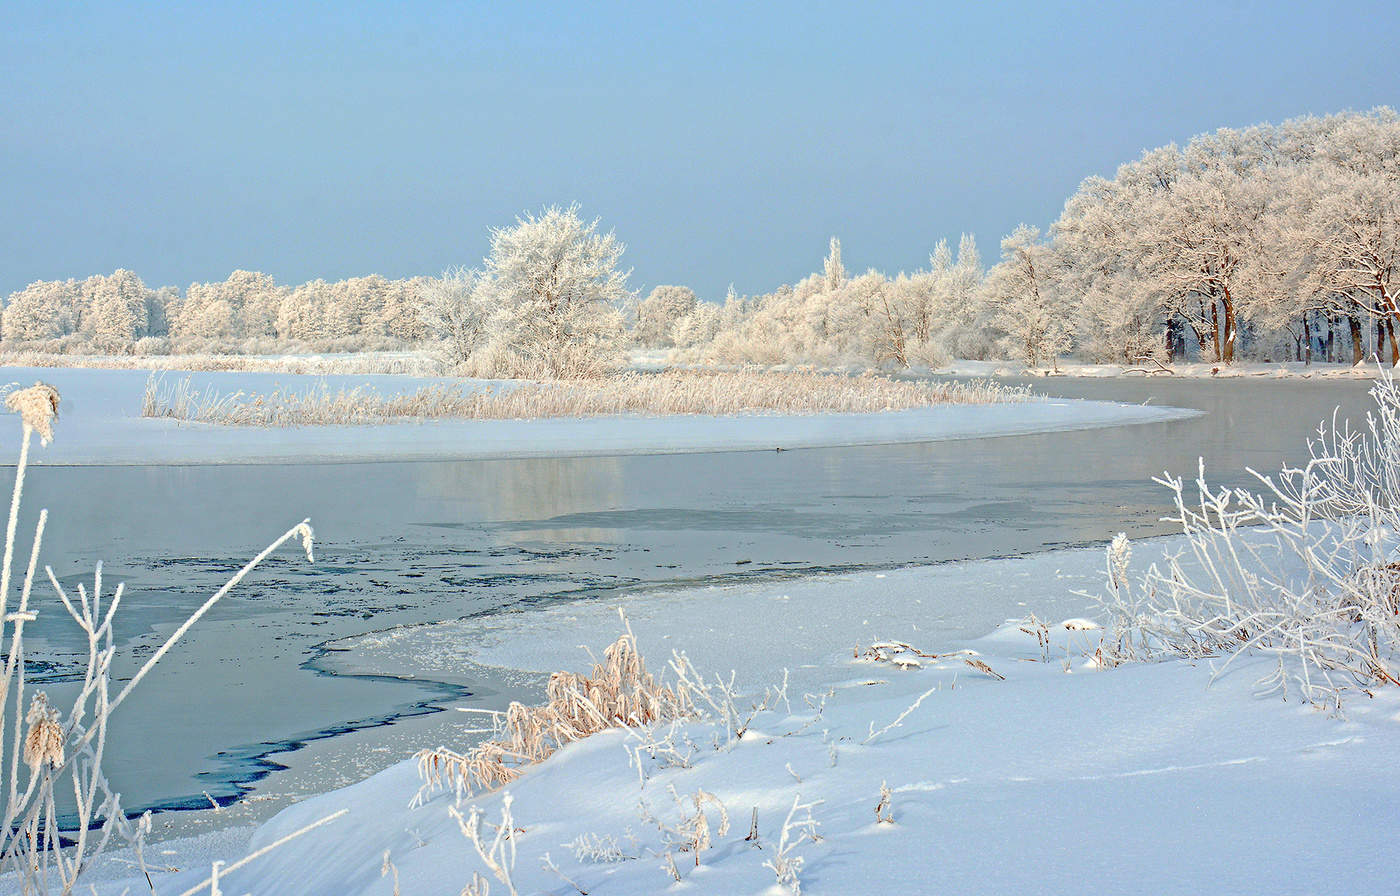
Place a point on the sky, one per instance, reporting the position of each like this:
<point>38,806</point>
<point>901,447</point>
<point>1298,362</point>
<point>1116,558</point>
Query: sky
<point>723,142</point>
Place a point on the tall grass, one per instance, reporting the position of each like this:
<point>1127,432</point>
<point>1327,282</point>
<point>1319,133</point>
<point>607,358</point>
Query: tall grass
<point>670,392</point>
<point>44,750</point>
<point>619,693</point>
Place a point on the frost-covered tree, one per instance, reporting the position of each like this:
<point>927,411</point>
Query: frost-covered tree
<point>1351,233</point>
<point>556,287</point>
<point>158,309</point>
<point>659,312</point>
<point>699,327</point>
<point>456,311</point>
<point>832,267</point>
<point>45,309</point>
<point>304,312</point>
<point>244,305</point>
<point>116,309</point>
<point>1025,300</point>
<point>396,315</point>
<point>1116,317</point>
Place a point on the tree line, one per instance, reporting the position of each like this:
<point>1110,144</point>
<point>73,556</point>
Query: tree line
<point>119,313</point>
<point>1272,242</point>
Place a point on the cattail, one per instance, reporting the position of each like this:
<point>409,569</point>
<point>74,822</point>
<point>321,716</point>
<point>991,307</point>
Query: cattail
<point>37,407</point>
<point>43,745</point>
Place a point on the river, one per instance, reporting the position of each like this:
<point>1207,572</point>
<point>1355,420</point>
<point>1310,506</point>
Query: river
<point>410,543</point>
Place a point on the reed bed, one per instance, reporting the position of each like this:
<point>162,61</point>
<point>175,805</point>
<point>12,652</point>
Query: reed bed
<point>630,394</point>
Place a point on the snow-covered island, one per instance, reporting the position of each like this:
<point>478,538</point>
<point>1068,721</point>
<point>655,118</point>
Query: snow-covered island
<point>104,425</point>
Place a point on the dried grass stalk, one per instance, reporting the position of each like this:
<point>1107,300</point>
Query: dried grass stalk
<point>618,693</point>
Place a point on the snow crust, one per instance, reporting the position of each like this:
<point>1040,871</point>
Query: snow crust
<point>101,424</point>
<point>1142,778</point>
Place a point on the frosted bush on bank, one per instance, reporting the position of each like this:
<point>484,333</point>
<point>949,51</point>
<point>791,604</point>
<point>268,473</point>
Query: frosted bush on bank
<point>1307,569</point>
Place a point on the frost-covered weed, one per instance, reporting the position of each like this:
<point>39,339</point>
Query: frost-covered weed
<point>597,848</point>
<point>497,853</point>
<point>63,752</point>
<point>1307,569</point>
<point>786,864</point>
<point>618,693</point>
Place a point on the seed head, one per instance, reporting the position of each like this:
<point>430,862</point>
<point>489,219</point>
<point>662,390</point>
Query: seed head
<point>43,745</point>
<point>37,407</point>
<point>308,538</point>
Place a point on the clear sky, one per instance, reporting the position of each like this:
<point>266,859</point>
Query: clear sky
<point>724,142</point>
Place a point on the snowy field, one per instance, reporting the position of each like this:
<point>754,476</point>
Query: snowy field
<point>1060,778</point>
<point>102,425</point>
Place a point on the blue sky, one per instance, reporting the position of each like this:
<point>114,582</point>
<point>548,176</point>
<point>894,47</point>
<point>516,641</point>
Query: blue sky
<point>724,142</point>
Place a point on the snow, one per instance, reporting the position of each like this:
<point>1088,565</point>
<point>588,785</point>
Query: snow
<point>100,424</point>
<point>1188,369</point>
<point>1135,778</point>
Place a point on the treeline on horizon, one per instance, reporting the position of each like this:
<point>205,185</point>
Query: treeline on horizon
<point>1272,242</point>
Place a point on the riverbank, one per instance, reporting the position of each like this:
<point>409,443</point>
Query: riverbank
<point>1110,775</point>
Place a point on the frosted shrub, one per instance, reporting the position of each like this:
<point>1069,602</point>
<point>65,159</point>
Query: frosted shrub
<point>45,750</point>
<point>454,311</point>
<point>1307,569</point>
<point>152,345</point>
<point>555,288</point>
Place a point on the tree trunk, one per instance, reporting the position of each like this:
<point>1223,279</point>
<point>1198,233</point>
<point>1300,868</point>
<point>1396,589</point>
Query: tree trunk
<point>1307,338</point>
<point>1394,349</point>
<point>1215,330</point>
<point>1357,352</point>
<point>1229,303</point>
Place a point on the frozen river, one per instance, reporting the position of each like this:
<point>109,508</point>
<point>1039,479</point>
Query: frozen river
<point>402,544</point>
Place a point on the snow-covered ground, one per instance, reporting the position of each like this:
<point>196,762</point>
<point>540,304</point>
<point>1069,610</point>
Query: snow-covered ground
<point>1191,369</point>
<point>101,424</point>
<point>1060,778</point>
<point>659,359</point>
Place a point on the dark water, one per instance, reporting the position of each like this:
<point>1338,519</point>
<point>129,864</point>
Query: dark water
<point>407,543</point>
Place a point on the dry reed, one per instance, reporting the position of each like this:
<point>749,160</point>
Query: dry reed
<point>618,693</point>
<point>667,393</point>
<point>64,751</point>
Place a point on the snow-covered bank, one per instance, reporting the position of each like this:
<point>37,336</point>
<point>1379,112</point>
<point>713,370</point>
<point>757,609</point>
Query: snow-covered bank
<point>102,425</point>
<point>1183,369</point>
<point>1045,782</point>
